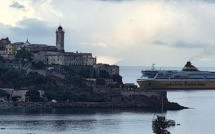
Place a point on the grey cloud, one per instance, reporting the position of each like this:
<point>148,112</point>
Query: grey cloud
<point>184,44</point>
<point>35,30</point>
<point>17,5</point>
<point>208,1</point>
<point>180,44</point>
<point>158,42</point>
<point>4,28</point>
<point>115,0</point>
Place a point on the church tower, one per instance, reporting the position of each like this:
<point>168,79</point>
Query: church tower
<point>60,39</point>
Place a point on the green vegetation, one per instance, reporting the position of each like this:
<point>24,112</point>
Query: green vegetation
<point>33,96</point>
<point>100,81</point>
<point>38,65</point>
<point>159,125</point>
<point>74,87</point>
<point>117,78</point>
<point>1,58</point>
<point>76,80</point>
<point>84,73</point>
<point>4,94</point>
<point>104,74</point>
<point>23,54</point>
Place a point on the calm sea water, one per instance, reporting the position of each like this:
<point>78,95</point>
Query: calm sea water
<point>198,120</point>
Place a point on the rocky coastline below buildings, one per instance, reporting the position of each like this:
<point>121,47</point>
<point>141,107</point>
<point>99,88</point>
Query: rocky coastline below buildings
<point>149,104</point>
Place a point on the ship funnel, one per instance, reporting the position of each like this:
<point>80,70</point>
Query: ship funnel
<point>189,67</point>
<point>188,63</point>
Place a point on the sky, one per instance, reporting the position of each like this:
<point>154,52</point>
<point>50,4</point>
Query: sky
<point>167,33</point>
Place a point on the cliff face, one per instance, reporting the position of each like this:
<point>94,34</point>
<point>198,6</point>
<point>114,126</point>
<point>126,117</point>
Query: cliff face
<point>154,100</point>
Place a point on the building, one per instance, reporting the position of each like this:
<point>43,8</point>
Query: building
<point>4,42</point>
<point>11,49</point>
<point>71,59</point>
<point>60,39</point>
<point>35,47</point>
<point>88,59</point>
<point>18,45</point>
<point>51,54</point>
<point>68,58</point>
<point>40,51</point>
<point>55,58</point>
<point>43,55</point>
<point>105,70</point>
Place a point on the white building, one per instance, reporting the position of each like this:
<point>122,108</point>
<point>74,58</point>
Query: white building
<point>88,59</point>
<point>55,58</point>
<point>70,58</point>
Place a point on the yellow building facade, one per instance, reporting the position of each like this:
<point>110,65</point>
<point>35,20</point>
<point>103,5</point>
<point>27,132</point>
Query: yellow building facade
<point>10,49</point>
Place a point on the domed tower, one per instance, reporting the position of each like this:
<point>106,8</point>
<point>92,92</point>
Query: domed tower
<point>60,39</point>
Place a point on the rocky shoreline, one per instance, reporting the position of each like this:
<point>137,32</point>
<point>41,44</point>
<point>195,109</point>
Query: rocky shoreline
<point>8,105</point>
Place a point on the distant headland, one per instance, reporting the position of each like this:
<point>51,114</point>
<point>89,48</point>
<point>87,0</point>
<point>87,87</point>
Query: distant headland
<point>39,75</point>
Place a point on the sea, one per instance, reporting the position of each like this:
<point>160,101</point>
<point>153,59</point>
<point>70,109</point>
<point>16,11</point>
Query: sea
<point>198,119</point>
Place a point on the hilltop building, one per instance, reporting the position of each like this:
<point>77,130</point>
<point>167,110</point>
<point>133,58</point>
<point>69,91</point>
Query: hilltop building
<point>4,42</point>
<point>56,54</point>
<point>105,70</point>
<point>48,54</point>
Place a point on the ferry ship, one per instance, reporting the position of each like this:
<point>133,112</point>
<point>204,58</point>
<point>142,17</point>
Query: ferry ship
<point>188,78</point>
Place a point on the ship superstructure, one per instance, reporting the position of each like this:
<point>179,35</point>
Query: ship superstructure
<point>189,78</point>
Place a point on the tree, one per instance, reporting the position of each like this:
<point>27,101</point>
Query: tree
<point>104,74</point>
<point>74,80</point>
<point>23,54</point>
<point>9,78</point>
<point>83,73</point>
<point>38,65</point>
<point>160,125</point>
<point>3,94</point>
<point>1,58</point>
<point>117,78</point>
<point>34,96</point>
<point>100,81</point>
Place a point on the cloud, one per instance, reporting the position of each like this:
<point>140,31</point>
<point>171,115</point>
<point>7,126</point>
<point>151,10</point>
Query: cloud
<point>35,30</point>
<point>137,32</point>
<point>184,44</point>
<point>17,5</point>
<point>109,60</point>
<point>157,42</point>
<point>6,29</point>
<point>114,0</point>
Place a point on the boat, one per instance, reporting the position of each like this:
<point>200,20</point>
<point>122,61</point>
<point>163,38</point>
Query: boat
<point>170,122</point>
<point>188,78</point>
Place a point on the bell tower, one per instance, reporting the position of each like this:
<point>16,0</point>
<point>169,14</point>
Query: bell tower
<point>60,39</point>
